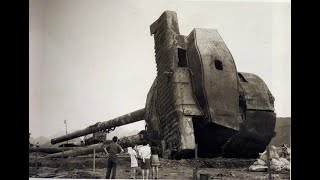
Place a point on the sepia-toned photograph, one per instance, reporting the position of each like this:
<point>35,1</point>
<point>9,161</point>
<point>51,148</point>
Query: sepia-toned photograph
<point>160,89</point>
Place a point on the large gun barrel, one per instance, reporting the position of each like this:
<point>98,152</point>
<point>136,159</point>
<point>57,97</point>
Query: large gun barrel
<point>124,143</point>
<point>119,121</point>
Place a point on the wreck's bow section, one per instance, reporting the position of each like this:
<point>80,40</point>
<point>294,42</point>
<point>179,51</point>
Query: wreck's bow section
<point>173,101</point>
<point>198,99</point>
<point>258,118</point>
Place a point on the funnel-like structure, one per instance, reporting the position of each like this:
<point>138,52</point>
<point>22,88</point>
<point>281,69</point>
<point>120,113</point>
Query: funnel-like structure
<point>199,98</point>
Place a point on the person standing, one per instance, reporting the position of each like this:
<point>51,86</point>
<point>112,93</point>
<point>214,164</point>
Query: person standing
<point>112,150</point>
<point>134,160</point>
<point>155,162</point>
<point>145,154</point>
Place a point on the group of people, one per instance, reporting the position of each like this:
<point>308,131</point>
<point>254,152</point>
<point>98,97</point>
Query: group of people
<point>148,155</point>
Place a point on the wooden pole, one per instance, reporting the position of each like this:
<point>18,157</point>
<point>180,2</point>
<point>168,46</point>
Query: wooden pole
<point>268,162</point>
<point>37,156</point>
<point>94,160</point>
<point>65,122</point>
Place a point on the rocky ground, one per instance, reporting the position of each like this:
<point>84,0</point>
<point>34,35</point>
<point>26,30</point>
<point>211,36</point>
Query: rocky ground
<point>82,167</point>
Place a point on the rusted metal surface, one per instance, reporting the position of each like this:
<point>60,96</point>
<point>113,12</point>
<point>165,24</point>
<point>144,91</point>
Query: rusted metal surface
<point>153,121</point>
<point>216,77</point>
<point>255,134</point>
<point>184,98</point>
<point>166,32</point>
<point>185,106</point>
<point>97,137</point>
<point>257,94</point>
<point>80,151</point>
<point>124,142</point>
<point>172,94</point>
<point>119,121</point>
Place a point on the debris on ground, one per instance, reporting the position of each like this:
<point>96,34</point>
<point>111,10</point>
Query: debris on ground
<point>266,177</point>
<point>82,168</point>
<point>279,160</point>
<point>258,168</point>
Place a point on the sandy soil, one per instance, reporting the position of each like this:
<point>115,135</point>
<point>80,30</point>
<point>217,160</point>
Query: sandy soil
<point>82,167</point>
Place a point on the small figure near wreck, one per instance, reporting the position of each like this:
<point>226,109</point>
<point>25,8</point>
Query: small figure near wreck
<point>112,150</point>
<point>132,151</point>
<point>145,154</point>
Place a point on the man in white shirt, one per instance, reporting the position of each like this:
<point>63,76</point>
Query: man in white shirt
<point>145,154</point>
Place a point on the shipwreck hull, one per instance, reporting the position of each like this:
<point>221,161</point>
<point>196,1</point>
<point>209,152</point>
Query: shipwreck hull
<point>211,137</point>
<point>254,135</point>
<point>214,78</point>
<point>198,99</point>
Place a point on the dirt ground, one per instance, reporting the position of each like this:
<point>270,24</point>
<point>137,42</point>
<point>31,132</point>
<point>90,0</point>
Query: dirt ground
<point>82,167</point>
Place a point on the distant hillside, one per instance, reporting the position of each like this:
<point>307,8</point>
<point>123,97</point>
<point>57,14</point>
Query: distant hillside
<point>283,130</point>
<point>40,139</point>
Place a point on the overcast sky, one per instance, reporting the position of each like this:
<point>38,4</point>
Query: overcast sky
<point>93,60</point>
